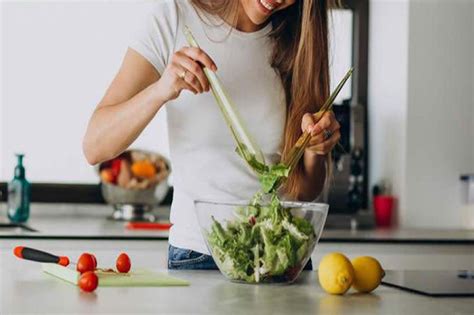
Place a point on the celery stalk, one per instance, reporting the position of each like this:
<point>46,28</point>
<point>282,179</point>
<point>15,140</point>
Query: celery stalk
<point>245,144</point>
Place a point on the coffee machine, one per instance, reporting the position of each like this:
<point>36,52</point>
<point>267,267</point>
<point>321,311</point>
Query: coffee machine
<point>348,193</point>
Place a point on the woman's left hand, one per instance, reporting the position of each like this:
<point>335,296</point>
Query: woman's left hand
<point>325,133</point>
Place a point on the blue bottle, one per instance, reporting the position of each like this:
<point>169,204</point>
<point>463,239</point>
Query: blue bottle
<point>19,193</point>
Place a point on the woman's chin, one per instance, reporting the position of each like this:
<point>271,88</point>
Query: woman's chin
<point>258,19</point>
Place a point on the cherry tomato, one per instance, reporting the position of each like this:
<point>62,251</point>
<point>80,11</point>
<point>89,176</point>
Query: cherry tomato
<point>123,263</point>
<point>95,261</point>
<point>86,262</point>
<point>88,281</point>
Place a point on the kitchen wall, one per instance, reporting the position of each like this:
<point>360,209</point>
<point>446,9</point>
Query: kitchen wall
<point>58,59</point>
<point>388,93</point>
<point>421,106</point>
<point>440,144</point>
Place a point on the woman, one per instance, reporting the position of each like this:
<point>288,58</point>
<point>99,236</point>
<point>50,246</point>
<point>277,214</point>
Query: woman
<point>272,57</point>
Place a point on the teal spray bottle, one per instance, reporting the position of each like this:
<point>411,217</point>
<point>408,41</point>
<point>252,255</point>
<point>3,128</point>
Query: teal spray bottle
<point>19,193</point>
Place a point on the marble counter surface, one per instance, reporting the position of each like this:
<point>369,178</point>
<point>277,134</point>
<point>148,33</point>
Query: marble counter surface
<point>25,289</point>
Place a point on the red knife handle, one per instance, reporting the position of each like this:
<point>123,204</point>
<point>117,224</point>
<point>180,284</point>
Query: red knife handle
<point>148,226</point>
<point>40,256</point>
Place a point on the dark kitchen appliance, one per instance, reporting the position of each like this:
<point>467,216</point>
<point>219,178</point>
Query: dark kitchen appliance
<point>348,195</point>
<point>433,283</point>
<point>348,192</point>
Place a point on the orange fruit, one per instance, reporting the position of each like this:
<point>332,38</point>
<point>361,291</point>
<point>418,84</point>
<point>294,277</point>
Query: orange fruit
<point>143,169</point>
<point>107,176</point>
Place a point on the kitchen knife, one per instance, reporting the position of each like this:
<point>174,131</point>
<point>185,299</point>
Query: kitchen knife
<point>39,256</point>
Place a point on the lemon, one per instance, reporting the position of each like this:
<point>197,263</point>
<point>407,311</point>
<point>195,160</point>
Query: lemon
<point>368,273</point>
<point>335,273</point>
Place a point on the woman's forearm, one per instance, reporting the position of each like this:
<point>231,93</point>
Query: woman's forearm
<point>135,96</point>
<point>314,176</point>
<point>113,128</point>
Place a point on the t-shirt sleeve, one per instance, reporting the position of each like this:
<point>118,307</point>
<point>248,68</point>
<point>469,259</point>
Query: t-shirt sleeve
<point>156,40</point>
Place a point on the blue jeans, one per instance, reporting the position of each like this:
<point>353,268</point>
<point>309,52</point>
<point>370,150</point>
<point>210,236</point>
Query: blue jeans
<point>180,258</point>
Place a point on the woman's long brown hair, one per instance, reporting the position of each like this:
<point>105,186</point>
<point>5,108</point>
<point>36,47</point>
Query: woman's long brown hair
<point>301,58</point>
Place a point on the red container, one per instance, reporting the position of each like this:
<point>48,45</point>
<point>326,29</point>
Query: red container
<point>383,209</point>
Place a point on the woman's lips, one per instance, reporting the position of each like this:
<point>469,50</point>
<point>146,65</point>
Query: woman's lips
<point>267,6</point>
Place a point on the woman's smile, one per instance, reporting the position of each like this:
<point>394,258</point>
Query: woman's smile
<point>267,6</point>
<point>258,11</point>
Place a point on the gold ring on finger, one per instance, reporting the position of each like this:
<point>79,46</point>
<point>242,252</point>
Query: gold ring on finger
<point>183,75</point>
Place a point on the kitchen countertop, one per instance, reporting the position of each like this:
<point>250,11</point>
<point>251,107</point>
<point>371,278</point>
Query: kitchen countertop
<point>66,221</point>
<point>25,289</point>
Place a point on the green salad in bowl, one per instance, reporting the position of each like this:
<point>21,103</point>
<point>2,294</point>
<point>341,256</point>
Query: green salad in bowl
<point>261,242</point>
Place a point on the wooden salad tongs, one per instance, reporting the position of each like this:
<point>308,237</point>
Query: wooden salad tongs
<point>298,149</point>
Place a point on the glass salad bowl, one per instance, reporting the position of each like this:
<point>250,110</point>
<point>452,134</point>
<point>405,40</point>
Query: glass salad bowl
<point>269,243</point>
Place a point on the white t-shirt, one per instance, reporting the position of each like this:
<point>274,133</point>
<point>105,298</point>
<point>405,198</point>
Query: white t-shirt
<point>202,151</point>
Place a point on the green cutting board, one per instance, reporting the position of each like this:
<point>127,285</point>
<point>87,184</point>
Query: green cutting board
<point>135,278</point>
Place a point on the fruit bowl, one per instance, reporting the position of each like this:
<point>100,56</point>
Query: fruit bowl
<point>125,187</point>
<point>269,243</point>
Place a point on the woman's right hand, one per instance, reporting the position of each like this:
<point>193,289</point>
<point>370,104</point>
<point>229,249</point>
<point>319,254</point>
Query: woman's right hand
<point>185,72</point>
